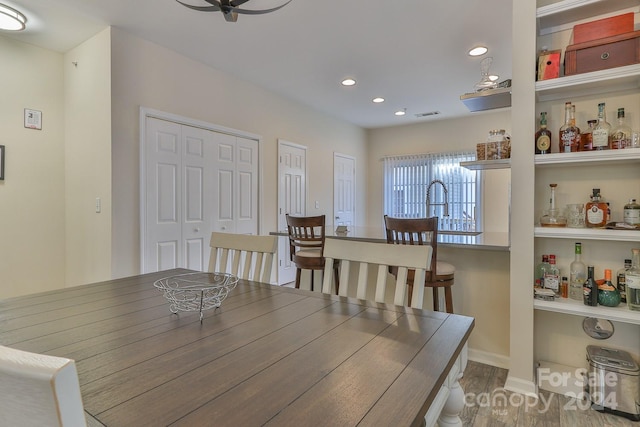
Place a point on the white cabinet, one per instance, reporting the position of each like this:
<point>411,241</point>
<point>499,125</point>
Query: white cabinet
<point>616,172</point>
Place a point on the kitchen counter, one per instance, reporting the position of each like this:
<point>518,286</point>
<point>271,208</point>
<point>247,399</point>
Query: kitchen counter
<point>493,241</point>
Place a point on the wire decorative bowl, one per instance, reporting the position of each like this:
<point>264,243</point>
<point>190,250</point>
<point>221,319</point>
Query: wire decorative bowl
<point>196,291</point>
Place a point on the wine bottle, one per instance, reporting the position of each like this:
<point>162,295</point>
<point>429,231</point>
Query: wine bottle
<point>543,136</point>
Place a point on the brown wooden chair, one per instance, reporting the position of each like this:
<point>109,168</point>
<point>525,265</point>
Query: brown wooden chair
<point>423,231</point>
<point>306,245</point>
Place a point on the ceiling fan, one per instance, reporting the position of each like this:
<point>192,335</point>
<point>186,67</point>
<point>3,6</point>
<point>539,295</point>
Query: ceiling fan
<point>230,8</point>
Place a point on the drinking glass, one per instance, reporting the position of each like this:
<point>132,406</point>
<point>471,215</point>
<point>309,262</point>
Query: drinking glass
<point>575,215</point>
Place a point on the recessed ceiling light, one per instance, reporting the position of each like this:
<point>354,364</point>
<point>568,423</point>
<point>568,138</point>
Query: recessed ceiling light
<point>478,50</point>
<point>378,100</point>
<point>401,112</point>
<point>494,77</point>
<point>11,19</point>
<point>348,82</point>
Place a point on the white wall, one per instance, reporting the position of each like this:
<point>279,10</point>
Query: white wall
<point>145,74</point>
<point>481,286</point>
<point>87,87</point>
<point>32,224</point>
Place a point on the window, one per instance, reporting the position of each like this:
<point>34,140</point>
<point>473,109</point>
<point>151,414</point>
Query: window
<point>407,179</point>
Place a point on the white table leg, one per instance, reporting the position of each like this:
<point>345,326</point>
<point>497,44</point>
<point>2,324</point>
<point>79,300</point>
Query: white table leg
<point>450,415</point>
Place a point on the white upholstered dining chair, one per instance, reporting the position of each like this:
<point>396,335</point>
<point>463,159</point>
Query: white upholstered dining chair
<point>246,256</point>
<point>39,390</point>
<point>362,254</point>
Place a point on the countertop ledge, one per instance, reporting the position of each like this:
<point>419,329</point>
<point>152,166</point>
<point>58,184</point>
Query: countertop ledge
<point>492,241</point>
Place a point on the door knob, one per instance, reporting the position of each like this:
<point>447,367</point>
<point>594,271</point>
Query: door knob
<point>196,230</point>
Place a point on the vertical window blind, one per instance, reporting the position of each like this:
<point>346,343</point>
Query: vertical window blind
<point>407,178</point>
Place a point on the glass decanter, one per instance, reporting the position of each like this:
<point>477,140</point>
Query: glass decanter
<point>553,217</point>
<point>485,82</point>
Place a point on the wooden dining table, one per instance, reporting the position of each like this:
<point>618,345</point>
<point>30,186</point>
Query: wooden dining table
<point>269,355</point>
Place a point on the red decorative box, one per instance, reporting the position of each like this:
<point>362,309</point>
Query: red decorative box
<point>603,28</point>
<point>596,55</point>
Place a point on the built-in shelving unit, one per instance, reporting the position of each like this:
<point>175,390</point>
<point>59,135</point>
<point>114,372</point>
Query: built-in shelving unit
<point>569,306</point>
<point>562,16</point>
<point>487,164</point>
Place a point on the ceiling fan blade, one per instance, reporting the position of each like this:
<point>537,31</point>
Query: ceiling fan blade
<point>201,8</point>
<point>259,12</point>
<point>214,3</point>
<point>236,3</point>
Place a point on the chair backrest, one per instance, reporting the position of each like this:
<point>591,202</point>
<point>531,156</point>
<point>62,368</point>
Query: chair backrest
<point>305,232</point>
<point>415,231</point>
<point>404,257</point>
<point>248,257</point>
<point>39,390</point>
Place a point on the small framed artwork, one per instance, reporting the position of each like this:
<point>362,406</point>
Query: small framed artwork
<point>549,64</point>
<point>1,162</point>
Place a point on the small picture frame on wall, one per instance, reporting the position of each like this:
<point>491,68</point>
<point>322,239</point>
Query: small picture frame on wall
<point>1,162</point>
<point>549,64</point>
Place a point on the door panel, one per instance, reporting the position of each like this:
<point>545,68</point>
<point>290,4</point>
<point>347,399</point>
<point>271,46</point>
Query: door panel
<point>292,190</point>
<point>344,185</point>
<point>195,181</point>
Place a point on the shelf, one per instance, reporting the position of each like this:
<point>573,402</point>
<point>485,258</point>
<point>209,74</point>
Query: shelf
<point>577,308</point>
<point>587,234</point>
<point>564,14</point>
<point>596,82</point>
<point>487,164</point>
<point>604,157</point>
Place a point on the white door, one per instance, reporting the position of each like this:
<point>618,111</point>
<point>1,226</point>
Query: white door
<point>196,181</point>
<point>344,190</point>
<point>292,199</point>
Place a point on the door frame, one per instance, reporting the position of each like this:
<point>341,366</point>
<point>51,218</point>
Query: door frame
<point>145,113</point>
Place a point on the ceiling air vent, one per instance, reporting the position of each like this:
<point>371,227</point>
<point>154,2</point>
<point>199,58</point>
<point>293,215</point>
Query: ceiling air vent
<point>428,113</point>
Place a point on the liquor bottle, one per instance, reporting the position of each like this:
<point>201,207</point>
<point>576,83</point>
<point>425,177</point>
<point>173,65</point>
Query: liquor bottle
<point>586,138</point>
<point>569,134</point>
<point>608,295</point>
<point>632,213</point>
<point>597,211</point>
<point>621,134</point>
<point>577,274</point>
<point>564,287</point>
<point>620,282</point>
<point>552,276</point>
<point>601,130</point>
<point>540,270</point>
<point>632,281</point>
<point>543,136</point>
<point>590,289</point>
<point>575,145</point>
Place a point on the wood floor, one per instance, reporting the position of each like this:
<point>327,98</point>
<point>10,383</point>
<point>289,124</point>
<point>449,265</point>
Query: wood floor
<point>487,404</point>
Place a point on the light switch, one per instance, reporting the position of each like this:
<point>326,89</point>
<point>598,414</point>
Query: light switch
<point>317,204</point>
<point>98,205</point>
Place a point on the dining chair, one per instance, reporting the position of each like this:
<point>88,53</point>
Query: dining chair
<point>247,256</point>
<point>423,231</point>
<point>39,390</point>
<point>306,245</point>
<point>363,254</point>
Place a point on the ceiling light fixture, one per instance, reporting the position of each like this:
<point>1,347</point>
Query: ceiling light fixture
<point>230,8</point>
<point>478,50</point>
<point>11,19</point>
<point>348,82</point>
<point>401,112</point>
<point>378,100</point>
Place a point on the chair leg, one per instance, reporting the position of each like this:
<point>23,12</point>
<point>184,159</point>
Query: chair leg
<point>298,278</point>
<point>337,279</point>
<point>436,304</point>
<point>448,297</point>
<point>410,290</point>
<point>312,274</point>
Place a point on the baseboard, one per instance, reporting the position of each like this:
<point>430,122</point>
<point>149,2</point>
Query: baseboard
<point>487,358</point>
<point>518,385</point>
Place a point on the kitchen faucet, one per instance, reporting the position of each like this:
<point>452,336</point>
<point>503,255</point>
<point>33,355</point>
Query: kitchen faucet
<point>445,203</point>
